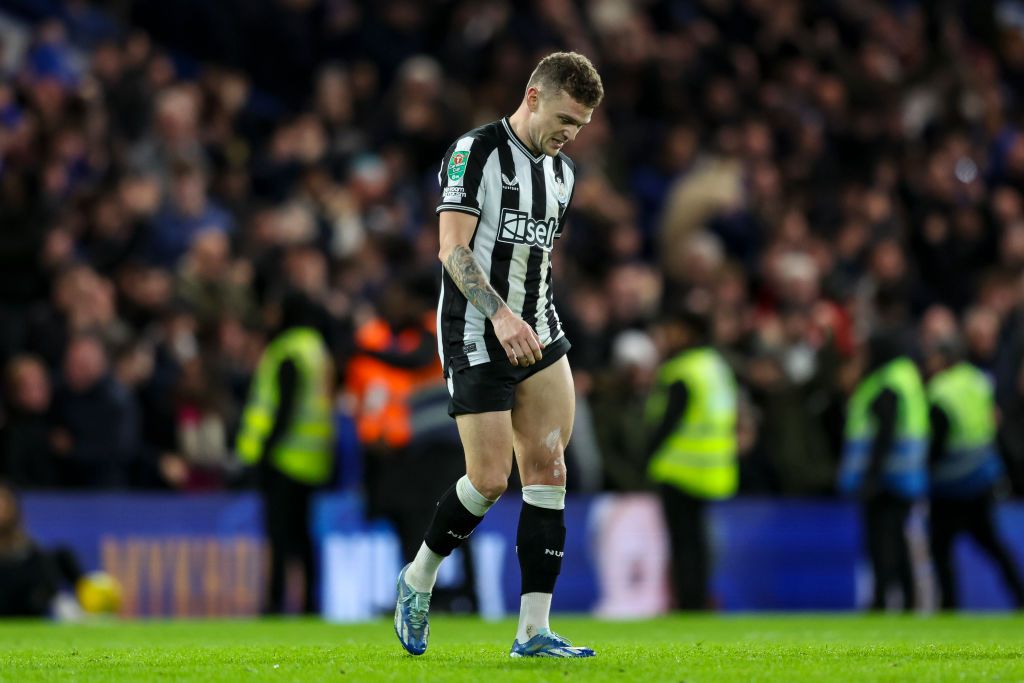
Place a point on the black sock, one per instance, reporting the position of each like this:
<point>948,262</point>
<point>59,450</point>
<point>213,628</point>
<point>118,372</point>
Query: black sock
<point>540,544</point>
<point>452,524</point>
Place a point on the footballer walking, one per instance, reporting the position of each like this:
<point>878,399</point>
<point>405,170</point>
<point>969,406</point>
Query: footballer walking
<point>505,190</point>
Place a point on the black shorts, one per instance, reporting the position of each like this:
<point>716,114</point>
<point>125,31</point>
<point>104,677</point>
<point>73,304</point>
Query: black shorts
<point>490,387</point>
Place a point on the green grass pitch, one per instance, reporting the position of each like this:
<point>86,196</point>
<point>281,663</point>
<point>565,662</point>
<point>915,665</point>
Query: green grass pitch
<point>697,648</point>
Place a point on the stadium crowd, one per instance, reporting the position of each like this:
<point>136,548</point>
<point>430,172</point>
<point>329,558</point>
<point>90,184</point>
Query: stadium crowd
<point>169,170</point>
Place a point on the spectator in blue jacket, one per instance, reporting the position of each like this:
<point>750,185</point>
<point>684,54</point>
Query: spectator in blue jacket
<point>97,436</point>
<point>188,213</point>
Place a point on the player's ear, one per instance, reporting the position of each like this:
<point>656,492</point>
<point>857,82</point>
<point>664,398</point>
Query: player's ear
<point>533,99</point>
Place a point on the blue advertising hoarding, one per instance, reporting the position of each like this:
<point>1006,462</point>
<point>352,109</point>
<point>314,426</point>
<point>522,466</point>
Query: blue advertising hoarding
<point>204,555</point>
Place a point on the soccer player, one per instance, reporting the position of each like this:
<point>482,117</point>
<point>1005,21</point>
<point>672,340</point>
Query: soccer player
<point>505,189</point>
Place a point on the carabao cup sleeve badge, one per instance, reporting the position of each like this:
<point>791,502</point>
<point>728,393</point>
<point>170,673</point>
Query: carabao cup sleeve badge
<point>457,165</point>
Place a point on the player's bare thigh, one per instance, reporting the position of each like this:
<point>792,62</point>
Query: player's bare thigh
<point>487,441</point>
<point>542,423</point>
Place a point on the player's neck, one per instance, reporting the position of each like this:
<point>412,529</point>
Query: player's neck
<point>518,123</point>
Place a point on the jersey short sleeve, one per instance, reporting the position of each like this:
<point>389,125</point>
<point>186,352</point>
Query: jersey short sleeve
<point>461,177</point>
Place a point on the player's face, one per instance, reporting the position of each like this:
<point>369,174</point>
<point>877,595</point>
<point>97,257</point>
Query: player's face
<point>556,120</point>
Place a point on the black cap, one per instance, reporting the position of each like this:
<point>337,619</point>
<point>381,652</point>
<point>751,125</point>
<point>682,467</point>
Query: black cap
<point>887,344</point>
<point>692,310</point>
<point>298,309</point>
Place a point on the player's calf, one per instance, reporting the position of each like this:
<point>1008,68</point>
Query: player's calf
<point>458,513</point>
<point>540,545</point>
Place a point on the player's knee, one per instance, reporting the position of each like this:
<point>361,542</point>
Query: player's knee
<point>490,485</point>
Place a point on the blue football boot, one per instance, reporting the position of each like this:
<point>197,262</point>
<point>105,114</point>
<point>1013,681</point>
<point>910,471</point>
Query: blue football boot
<point>548,644</point>
<point>411,611</point>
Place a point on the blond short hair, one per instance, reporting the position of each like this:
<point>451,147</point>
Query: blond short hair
<point>571,73</point>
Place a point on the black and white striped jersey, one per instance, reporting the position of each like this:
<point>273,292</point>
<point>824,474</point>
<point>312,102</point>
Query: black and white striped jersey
<point>521,201</point>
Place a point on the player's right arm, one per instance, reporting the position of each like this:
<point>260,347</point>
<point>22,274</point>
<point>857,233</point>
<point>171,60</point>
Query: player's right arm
<point>519,340</point>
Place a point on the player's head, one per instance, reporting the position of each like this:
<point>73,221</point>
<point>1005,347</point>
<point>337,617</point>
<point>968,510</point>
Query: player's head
<point>561,95</point>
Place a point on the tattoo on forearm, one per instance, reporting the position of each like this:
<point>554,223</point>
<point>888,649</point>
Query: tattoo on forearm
<point>471,281</point>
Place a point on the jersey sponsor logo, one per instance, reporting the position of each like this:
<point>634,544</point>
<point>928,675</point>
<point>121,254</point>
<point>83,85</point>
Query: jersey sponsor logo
<point>469,348</point>
<point>454,193</point>
<point>516,227</point>
<point>556,553</point>
<point>511,184</point>
<point>457,165</point>
<point>459,536</point>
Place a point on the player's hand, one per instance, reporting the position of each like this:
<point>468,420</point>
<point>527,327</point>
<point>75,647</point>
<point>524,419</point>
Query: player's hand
<point>520,341</point>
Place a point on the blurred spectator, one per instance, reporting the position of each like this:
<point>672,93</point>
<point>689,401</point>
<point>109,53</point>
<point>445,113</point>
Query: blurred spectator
<point>26,454</point>
<point>113,238</point>
<point>406,439</point>
<point>146,292</point>
<point>286,431</point>
<point>710,190</point>
<point>938,324</point>
<point>172,148</point>
<point>794,382</point>
<point>416,115</point>
<point>981,329</point>
<point>884,458</point>
<point>31,578</point>
<point>188,213</point>
<point>82,302</point>
<point>617,401</point>
<point>203,415</point>
<point>964,468</point>
<point>692,445</point>
<point>797,161</point>
<point>697,260</point>
<point>134,368</point>
<point>97,423</point>
<point>24,223</point>
<point>210,284</point>
<point>1009,387</point>
<point>633,291</point>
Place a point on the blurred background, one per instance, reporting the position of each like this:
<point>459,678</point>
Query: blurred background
<point>171,171</point>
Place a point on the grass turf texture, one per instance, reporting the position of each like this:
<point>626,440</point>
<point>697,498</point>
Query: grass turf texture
<point>712,648</point>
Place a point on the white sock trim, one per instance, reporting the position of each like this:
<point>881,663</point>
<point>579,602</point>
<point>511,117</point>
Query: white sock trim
<point>472,499</point>
<point>545,496</point>
<point>422,573</point>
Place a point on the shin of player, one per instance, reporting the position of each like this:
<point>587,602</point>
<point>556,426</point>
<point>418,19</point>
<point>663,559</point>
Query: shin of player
<point>540,545</point>
<point>459,511</point>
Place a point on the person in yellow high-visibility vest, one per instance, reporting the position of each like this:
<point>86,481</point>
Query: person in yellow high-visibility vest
<point>692,415</point>
<point>965,468</point>
<point>286,430</point>
<point>884,458</point>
